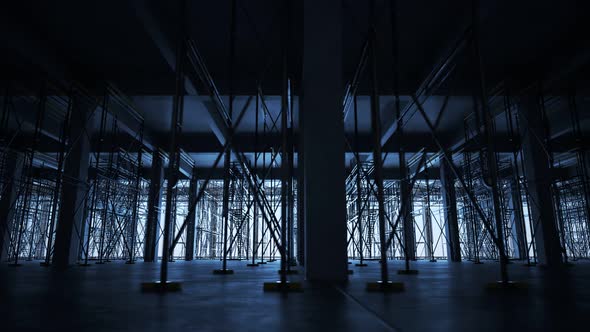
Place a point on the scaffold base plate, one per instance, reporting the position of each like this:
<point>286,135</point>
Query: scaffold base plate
<point>252,265</point>
<point>432,261</point>
<point>360,264</point>
<point>222,271</point>
<point>510,285</point>
<point>385,287</point>
<point>407,272</point>
<point>277,286</point>
<point>261,262</point>
<point>157,286</point>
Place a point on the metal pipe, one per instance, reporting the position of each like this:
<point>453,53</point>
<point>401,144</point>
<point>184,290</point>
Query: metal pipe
<point>457,174</point>
<point>491,152</point>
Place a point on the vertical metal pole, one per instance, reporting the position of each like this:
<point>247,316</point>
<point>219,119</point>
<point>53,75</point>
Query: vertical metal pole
<point>358,183</point>
<point>428,219</point>
<point>28,182</point>
<point>491,153</point>
<point>522,239</point>
<point>176,127</point>
<point>107,196</point>
<point>284,154</point>
<point>376,129</point>
<point>290,198</point>
<point>529,211</point>
<point>255,212</point>
<point>225,208</point>
<point>264,226</point>
<point>103,118</point>
<point>227,161</point>
<point>34,219</point>
<point>581,157</point>
<point>134,214</point>
<point>470,209</point>
<point>406,201</point>
<point>191,218</point>
<point>58,181</point>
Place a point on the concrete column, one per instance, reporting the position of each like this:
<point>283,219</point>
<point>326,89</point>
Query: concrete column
<point>154,203</point>
<point>450,206</point>
<point>68,233</point>
<point>14,163</point>
<point>408,219</point>
<point>323,132</point>
<point>428,240</point>
<point>214,211</point>
<point>300,200</point>
<point>538,178</point>
<point>518,231</point>
<point>190,226</point>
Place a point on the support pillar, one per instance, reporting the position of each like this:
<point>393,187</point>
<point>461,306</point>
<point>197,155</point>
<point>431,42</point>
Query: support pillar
<point>518,229</point>
<point>450,207</point>
<point>323,134</point>
<point>154,204</point>
<point>428,239</point>
<point>300,200</point>
<point>14,163</point>
<point>408,218</point>
<point>538,178</point>
<point>192,218</point>
<point>71,210</point>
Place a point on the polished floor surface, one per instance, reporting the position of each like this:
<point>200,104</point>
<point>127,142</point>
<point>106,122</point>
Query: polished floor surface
<point>442,297</point>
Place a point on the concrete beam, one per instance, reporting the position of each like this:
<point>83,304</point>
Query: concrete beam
<point>161,39</point>
<point>27,44</point>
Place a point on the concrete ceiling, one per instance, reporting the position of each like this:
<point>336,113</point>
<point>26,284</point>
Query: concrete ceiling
<point>106,41</point>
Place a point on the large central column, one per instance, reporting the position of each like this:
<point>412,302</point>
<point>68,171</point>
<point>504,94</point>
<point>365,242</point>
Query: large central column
<point>450,208</point>
<point>152,228</point>
<point>538,177</point>
<point>518,230</point>
<point>191,222</point>
<point>323,140</point>
<point>12,172</point>
<point>71,211</point>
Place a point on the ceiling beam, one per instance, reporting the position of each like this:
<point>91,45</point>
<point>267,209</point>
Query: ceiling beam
<point>47,60</point>
<point>162,41</point>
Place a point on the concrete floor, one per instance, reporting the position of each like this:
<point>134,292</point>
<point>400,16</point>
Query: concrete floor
<point>443,297</point>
